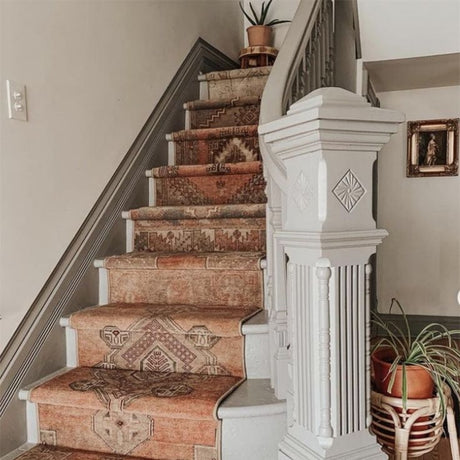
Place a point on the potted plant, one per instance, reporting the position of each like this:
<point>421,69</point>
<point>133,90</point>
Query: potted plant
<point>410,367</point>
<point>259,34</point>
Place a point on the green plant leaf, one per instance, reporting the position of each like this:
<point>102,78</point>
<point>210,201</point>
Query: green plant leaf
<point>256,17</point>
<point>275,22</point>
<point>265,11</point>
<point>247,16</point>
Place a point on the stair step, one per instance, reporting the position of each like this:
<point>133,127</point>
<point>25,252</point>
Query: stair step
<point>231,279</point>
<point>172,338</point>
<point>231,144</point>
<point>196,228</point>
<point>218,183</point>
<point>253,422</point>
<point>226,211</point>
<point>233,83</point>
<point>235,111</point>
<point>124,411</point>
<point>255,331</point>
<point>44,452</point>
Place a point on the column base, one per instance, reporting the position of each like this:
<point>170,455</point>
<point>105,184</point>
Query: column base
<point>356,446</point>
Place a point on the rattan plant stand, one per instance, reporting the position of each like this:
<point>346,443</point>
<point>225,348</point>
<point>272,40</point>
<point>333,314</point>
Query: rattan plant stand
<point>412,431</point>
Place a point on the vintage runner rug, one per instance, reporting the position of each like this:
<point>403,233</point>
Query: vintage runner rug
<point>156,361</point>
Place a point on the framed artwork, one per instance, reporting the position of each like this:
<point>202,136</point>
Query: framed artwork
<point>432,148</point>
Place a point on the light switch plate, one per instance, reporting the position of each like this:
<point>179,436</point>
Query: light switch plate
<point>17,100</point>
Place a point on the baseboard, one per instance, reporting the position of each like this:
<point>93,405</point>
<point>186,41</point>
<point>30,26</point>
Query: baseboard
<point>38,345</point>
<point>418,322</point>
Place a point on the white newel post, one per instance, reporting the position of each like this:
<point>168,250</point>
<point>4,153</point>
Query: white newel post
<point>318,163</point>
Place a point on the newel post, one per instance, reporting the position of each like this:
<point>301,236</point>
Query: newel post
<point>320,156</point>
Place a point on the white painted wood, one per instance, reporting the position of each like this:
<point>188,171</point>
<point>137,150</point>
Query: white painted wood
<point>187,119</point>
<point>129,234</point>
<point>323,151</point>
<point>71,341</point>
<point>103,282</point>
<point>171,151</point>
<point>153,191</point>
<point>255,332</point>
<point>204,90</point>
<point>253,422</point>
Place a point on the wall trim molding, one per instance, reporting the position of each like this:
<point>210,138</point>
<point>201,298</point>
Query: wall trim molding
<point>73,283</point>
<point>418,322</point>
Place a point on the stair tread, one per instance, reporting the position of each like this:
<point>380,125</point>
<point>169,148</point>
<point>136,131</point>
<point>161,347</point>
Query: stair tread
<point>246,261</point>
<point>222,103</point>
<point>214,133</point>
<point>210,169</point>
<point>158,394</point>
<point>216,211</point>
<point>42,451</point>
<point>218,320</point>
<point>236,73</point>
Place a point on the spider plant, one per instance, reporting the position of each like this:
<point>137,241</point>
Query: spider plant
<point>433,349</point>
<point>259,19</point>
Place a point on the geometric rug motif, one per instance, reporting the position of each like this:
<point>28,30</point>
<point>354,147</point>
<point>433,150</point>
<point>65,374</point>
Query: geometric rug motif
<point>203,240</point>
<point>223,150</point>
<point>122,431</point>
<point>45,452</point>
<point>206,190</point>
<point>161,345</point>
<point>117,389</point>
<point>225,116</point>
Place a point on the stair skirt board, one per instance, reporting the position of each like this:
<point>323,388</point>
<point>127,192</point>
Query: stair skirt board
<point>253,422</point>
<point>174,361</point>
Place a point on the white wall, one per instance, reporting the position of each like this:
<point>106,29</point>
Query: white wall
<point>419,262</point>
<point>94,70</point>
<point>394,29</point>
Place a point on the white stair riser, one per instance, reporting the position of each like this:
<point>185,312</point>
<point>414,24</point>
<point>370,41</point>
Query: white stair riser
<point>256,353</point>
<point>254,438</point>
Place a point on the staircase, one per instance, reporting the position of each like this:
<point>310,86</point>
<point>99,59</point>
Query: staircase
<point>180,324</point>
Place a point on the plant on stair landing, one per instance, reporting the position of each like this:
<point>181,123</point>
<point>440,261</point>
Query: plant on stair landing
<point>411,368</point>
<point>259,34</point>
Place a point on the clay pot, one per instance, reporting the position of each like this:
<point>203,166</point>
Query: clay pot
<point>419,382</point>
<point>259,35</point>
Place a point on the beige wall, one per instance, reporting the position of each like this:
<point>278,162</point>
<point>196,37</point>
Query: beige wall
<point>94,70</point>
<point>394,29</point>
<point>419,263</point>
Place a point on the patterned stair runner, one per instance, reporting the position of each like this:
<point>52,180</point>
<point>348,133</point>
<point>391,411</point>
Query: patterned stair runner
<point>239,227</point>
<point>155,362</point>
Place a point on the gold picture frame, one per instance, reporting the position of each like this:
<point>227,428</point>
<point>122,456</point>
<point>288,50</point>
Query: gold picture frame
<point>432,148</point>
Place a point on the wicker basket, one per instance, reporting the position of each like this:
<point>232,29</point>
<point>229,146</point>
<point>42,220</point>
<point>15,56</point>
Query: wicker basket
<point>414,430</point>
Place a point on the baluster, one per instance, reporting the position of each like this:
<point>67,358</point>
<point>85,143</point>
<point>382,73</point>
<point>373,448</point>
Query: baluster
<point>367,302</point>
<point>331,44</point>
<point>309,65</point>
<point>318,52</point>
<point>325,429</point>
<point>324,45</point>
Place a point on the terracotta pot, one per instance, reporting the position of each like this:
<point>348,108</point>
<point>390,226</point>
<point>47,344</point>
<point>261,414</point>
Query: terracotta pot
<point>419,382</point>
<point>259,35</point>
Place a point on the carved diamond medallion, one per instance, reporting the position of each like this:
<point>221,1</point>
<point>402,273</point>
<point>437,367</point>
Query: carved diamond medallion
<point>121,431</point>
<point>302,192</point>
<point>349,191</point>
